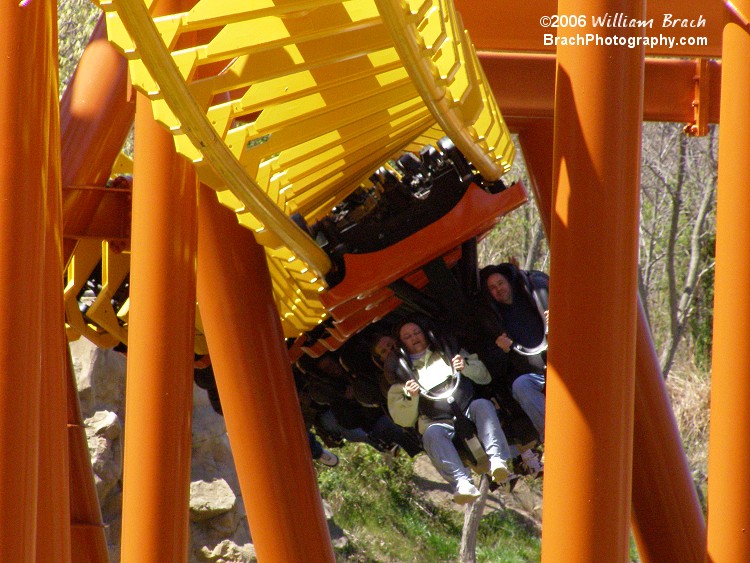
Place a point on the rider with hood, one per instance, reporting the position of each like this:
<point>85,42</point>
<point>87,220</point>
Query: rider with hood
<point>516,330</point>
<point>426,368</point>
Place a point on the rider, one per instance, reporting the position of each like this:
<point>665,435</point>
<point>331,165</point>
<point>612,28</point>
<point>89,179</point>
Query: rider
<point>428,370</point>
<point>516,326</point>
<point>355,412</point>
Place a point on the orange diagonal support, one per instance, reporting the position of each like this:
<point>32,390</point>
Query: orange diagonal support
<point>26,45</point>
<point>53,511</point>
<point>258,397</point>
<point>88,542</point>
<point>594,245</point>
<point>95,114</point>
<point>667,521</point>
<point>95,117</point>
<point>729,458</point>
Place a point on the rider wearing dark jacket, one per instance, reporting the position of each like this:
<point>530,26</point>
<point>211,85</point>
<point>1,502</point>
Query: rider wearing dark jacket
<point>515,324</point>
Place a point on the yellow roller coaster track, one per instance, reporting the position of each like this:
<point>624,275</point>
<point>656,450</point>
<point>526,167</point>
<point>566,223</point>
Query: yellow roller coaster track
<point>287,107</point>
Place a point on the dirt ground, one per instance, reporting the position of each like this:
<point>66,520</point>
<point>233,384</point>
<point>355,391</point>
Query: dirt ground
<point>525,499</point>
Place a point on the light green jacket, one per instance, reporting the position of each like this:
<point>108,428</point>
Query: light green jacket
<point>431,372</point>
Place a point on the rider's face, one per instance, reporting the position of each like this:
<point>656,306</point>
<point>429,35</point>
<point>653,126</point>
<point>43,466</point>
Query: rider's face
<point>384,346</point>
<point>413,338</point>
<point>500,289</point>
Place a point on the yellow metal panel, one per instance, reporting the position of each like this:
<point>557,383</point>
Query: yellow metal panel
<point>203,135</point>
<point>420,62</point>
<point>87,254</point>
<point>115,267</point>
<point>123,165</point>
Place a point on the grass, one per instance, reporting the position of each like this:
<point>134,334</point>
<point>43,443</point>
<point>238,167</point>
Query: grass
<point>387,519</point>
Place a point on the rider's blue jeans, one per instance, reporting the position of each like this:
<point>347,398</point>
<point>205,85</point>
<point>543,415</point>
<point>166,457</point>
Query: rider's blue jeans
<point>438,436</point>
<point>528,391</point>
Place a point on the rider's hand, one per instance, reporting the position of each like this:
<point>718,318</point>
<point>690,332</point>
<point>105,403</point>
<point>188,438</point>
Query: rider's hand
<point>504,342</point>
<point>412,388</point>
<point>458,363</point>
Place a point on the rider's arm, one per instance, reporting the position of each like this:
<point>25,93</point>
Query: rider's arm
<point>403,408</point>
<point>474,369</point>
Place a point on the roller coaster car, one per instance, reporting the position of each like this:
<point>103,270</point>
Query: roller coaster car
<point>405,196</point>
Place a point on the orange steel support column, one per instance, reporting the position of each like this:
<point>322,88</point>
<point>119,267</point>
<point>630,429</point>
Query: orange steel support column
<point>729,457</point>
<point>53,512</point>
<point>258,396</point>
<point>95,116</point>
<point>156,471</point>
<point>25,47</point>
<point>594,245</point>
<point>536,137</point>
<point>667,520</point>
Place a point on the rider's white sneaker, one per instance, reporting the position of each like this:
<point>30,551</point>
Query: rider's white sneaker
<point>466,492</point>
<point>329,458</point>
<point>499,470</point>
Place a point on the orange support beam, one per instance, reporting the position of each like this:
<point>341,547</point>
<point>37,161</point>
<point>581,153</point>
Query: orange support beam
<point>673,89</point>
<point>518,25</point>
<point>53,511</point>
<point>666,520</point>
<point>156,479</point>
<point>729,459</point>
<point>156,471</point>
<point>258,396</point>
<point>95,117</point>
<point>26,43</point>
<point>594,246</point>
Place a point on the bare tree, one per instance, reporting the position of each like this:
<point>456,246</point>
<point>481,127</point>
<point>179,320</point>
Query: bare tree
<point>535,253</point>
<point>681,297</point>
<point>678,202</point>
<point>472,517</point>
<point>520,234</point>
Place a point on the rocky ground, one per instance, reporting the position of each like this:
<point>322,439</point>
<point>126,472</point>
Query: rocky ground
<point>525,499</point>
<point>218,523</point>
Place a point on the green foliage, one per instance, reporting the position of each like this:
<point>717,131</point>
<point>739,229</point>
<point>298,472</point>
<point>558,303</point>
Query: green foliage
<point>387,518</point>
<point>507,536</point>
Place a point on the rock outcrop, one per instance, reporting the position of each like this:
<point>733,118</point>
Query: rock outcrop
<point>218,522</point>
